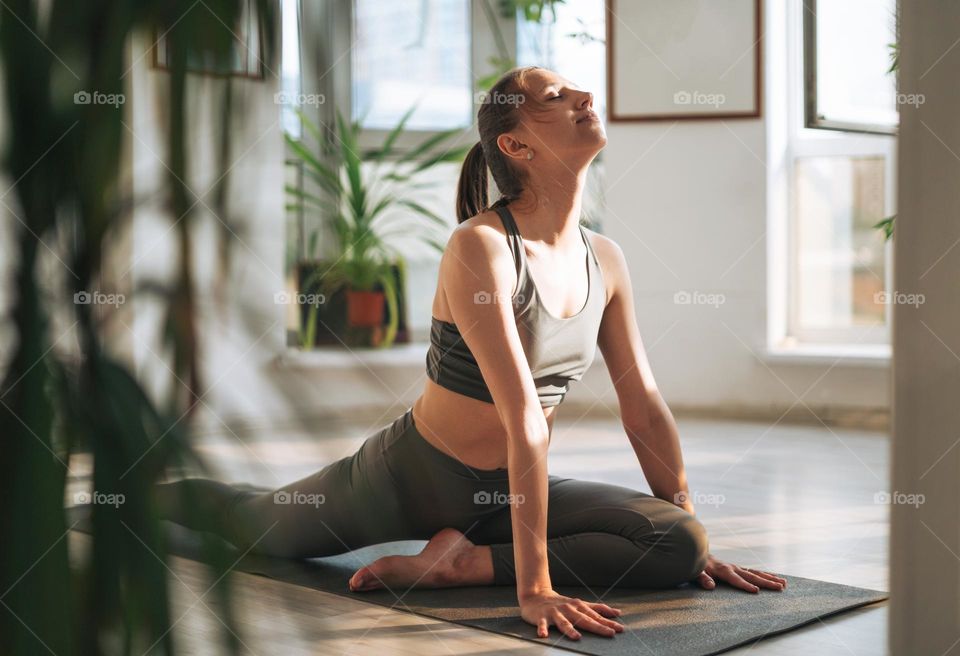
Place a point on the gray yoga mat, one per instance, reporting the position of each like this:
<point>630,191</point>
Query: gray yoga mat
<point>686,621</point>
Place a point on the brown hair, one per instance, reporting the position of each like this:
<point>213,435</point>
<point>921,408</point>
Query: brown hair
<point>499,112</point>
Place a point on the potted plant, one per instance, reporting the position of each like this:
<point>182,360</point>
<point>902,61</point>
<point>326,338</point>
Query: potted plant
<point>362,187</point>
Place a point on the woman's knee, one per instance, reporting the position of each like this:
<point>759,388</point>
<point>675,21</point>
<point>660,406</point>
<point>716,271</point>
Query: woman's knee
<point>677,547</point>
<point>691,546</point>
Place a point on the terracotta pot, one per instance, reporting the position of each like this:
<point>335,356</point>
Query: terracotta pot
<point>364,308</point>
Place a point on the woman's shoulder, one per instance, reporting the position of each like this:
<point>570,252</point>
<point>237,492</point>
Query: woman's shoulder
<point>479,244</point>
<point>482,222</point>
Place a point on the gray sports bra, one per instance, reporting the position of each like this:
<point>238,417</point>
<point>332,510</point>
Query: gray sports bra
<point>557,349</point>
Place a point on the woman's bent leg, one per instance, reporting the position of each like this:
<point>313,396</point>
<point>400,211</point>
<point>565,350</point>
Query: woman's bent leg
<point>348,504</point>
<point>605,535</point>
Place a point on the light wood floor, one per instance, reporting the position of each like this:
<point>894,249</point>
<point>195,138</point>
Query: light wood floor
<point>788,498</point>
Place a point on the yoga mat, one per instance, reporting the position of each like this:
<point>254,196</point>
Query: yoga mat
<point>686,621</point>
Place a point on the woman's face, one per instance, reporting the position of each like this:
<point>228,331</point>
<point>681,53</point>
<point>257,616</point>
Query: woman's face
<point>558,121</point>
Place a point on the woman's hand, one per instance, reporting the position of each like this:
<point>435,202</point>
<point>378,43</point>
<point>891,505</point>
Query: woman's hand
<point>745,578</point>
<point>548,608</point>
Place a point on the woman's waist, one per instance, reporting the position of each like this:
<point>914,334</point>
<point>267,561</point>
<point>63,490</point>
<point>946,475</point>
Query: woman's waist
<point>464,428</point>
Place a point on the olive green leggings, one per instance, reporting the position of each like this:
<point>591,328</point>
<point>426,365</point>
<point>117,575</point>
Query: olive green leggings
<point>398,486</point>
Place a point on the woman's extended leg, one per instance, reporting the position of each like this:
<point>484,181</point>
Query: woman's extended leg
<point>346,505</point>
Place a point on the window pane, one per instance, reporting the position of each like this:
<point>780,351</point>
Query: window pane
<point>408,51</point>
<point>289,96</point>
<point>573,46</point>
<point>853,57</point>
<point>839,274</point>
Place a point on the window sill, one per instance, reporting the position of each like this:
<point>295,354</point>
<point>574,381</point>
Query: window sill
<point>873,355</point>
<point>339,357</point>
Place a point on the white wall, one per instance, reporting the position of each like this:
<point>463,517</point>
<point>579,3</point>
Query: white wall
<point>241,336</point>
<point>688,204</point>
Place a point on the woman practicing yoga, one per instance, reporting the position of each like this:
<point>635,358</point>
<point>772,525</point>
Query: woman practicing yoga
<point>516,317</point>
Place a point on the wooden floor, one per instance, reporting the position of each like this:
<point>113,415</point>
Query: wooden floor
<point>795,499</point>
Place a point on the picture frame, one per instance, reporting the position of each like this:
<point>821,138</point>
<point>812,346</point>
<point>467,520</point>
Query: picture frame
<point>684,59</point>
<point>245,59</point>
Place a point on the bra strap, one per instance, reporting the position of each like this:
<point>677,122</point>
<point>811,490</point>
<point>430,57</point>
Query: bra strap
<point>513,235</point>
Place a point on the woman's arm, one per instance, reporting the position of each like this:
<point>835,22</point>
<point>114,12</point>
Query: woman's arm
<point>643,412</point>
<point>646,418</point>
<point>479,275</point>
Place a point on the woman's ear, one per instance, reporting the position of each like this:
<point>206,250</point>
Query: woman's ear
<point>512,147</point>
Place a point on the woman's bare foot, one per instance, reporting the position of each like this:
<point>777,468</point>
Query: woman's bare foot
<point>448,560</point>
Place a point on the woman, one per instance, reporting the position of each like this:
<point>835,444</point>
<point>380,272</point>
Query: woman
<point>465,466</point>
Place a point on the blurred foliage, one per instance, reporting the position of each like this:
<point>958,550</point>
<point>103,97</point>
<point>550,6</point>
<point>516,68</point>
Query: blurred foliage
<point>64,159</point>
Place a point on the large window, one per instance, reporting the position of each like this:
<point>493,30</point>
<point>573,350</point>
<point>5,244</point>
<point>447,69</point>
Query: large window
<point>412,52</point>
<point>841,183</point>
<point>572,45</point>
<point>570,41</point>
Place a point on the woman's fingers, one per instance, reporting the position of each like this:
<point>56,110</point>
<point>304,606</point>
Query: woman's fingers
<point>706,581</point>
<point>584,621</point>
<point>761,581</point>
<point>565,626</point>
<point>734,579</point>
<point>594,615</point>
<point>768,575</point>
<point>605,610</point>
<point>543,628</point>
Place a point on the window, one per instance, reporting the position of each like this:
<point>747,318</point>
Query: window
<point>848,49</point>
<point>289,97</point>
<point>412,51</point>
<point>573,46</point>
<point>839,185</point>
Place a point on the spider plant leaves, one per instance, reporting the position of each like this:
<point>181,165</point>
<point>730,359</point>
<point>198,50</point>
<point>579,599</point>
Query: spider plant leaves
<point>378,154</point>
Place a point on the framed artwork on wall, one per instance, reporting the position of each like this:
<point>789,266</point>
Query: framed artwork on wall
<point>244,58</point>
<point>683,59</point>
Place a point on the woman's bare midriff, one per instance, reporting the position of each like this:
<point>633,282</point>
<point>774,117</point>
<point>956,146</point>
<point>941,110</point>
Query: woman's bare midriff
<point>468,429</point>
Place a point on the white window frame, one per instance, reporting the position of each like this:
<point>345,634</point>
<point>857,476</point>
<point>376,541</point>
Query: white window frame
<point>810,142</point>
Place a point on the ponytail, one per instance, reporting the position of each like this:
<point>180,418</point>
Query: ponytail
<point>472,189</point>
<point>499,113</point>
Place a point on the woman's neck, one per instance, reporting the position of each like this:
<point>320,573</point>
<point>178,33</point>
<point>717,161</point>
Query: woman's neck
<point>549,207</point>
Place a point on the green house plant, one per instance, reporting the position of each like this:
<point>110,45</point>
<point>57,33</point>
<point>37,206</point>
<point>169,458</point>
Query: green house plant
<point>361,187</point>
